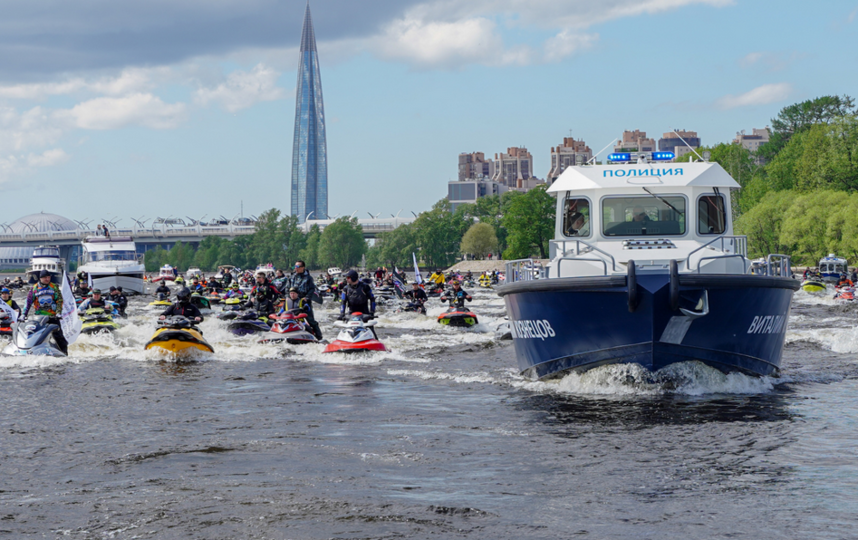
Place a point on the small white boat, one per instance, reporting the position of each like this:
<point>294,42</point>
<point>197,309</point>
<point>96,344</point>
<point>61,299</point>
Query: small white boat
<point>46,258</point>
<point>165,274</point>
<point>113,262</point>
<point>832,266</point>
<point>193,271</point>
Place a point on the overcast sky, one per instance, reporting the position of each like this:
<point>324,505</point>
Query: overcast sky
<point>186,107</point>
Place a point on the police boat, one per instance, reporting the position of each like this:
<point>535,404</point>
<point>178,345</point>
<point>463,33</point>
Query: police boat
<point>645,269</point>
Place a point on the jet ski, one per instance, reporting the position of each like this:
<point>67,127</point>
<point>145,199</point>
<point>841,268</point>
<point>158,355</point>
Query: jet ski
<point>214,298</point>
<point>163,300</point>
<point>845,293</point>
<point>232,308</point>
<point>200,301</point>
<point>5,325</point>
<point>434,290</point>
<point>249,323</point>
<point>813,285</point>
<point>357,336</point>
<point>178,335</point>
<point>291,328</point>
<point>458,316</point>
<point>33,337</point>
<point>97,320</point>
<point>179,280</point>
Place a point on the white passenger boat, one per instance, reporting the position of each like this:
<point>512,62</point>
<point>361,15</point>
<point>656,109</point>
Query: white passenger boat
<point>46,258</point>
<point>193,271</point>
<point>113,262</point>
<point>166,273</point>
<point>831,267</point>
<point>645,269</point>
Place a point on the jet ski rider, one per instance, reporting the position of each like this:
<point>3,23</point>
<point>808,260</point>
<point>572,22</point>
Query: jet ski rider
<point>118,297</point>
<point>303,282</point>
<point>844,281</point>
<point>357,297</point>
<point>6,296</point>
<point>162,289</point>
<point>183,307</point>
<point>418,297</point>
<point>458,294</point>
<point>93,302</point>
<point>49,302</point>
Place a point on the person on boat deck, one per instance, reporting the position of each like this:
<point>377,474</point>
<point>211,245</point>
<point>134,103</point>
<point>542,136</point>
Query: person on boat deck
<point>48,302</point>
<point>6,296</point>
<point>844,281</point>
<point>117,297</point>
<point>183,307</point>
<point>639,214</point>
<point>577,223</point>
<point>458,294</point>
<point>357,297</point>
<point>162,289</point>
<point>95,300</point>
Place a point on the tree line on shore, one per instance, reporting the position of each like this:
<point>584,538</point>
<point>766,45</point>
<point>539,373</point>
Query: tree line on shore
<point>799,196</point>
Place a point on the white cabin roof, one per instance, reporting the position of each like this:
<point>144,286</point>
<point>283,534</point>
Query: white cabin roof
<point>643,174</point>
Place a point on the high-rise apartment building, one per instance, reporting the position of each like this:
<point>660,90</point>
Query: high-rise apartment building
<point>753,142</point>
<point>568,154</point>
<point>671,142</point>
<point>635,141</point>
<point>309,149</point>
<point>474,166</point>
<point>512,168</point>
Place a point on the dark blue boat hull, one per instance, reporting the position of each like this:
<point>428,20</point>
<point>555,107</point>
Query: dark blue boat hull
<point>732,323</point>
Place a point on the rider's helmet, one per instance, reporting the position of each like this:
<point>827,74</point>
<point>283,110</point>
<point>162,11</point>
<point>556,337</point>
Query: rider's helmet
<point>184,295</point>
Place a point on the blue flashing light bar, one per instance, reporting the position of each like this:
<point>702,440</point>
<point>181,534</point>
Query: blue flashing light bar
<point>620,157</point>
<point>663,156</point>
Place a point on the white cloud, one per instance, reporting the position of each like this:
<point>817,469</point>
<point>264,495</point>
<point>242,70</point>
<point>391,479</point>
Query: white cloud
<point>113,113</point>
<point>446,44</point>
<point>762,95</point>
<point>243,89</point>
<point>129,81</point>
<point>47,158</point>
<point>567,43</point>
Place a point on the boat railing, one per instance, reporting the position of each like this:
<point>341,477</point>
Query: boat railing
<point>524,270</point>
<point>588,248</point>
<point>731,247</point>
<point>778,264</point>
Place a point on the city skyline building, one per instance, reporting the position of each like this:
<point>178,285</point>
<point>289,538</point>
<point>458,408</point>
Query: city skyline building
<point>568,154</point>
<point>514,167</point>
<point>672,142</point>
<point>475,166</point>
<point>753,142</point>
<point>309,196</point>
<point>635,141</point>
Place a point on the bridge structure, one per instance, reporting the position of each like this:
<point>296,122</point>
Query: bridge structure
<point>166,236</point>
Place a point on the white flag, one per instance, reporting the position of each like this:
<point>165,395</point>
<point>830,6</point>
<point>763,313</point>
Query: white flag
<point>12,313</point>
<point>69,319</point>
<point>417,277</point>
<point>89,280</point>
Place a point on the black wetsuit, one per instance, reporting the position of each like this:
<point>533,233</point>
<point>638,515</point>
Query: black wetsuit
<point>188,311</point>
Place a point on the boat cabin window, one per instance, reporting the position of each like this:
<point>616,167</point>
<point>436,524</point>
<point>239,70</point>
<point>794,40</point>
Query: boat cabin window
<point>644,216</point>
<point>576,217</point>
<point>95,256</point>
<point>711,215</point>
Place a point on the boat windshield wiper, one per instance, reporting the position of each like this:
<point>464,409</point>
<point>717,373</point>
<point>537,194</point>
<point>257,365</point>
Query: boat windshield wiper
<point>675,209</point>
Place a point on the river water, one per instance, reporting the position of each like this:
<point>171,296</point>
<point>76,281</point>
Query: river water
<point>440,438</point>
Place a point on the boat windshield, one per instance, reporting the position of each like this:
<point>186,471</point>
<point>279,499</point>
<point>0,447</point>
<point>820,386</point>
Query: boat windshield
<point>643,216</point>
<point>96,256</point>
<point>46,252</point>
<point>576,217</point>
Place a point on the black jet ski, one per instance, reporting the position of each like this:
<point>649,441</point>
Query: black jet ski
<point>249,323</point>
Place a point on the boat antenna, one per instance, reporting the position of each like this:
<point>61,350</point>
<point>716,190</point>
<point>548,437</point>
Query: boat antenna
<point>688,145</point>
<point>600,151</point>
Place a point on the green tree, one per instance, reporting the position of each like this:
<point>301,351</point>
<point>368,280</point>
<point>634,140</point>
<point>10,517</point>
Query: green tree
<point>805,228</point>
<point>394,248</point>
<point>799,117</point>
<point>480,240</point>
<point>154,259</point>
<point>438,234</point>
<point>310,253</point>
<point>529,218</point>
<point>342,243</point>
<point>486,210</point>
<point>762,224</point>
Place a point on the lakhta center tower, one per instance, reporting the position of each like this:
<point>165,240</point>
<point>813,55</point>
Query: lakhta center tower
<point>310,149</point>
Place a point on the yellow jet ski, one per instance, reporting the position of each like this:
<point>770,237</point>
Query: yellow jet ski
<point>179,336</point>
<point>813,285</point>
<point>97,320</point>
<point>163,300</point>
<point>179,280</point>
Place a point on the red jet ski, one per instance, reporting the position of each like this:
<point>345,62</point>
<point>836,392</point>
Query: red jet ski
<point>357,336</point>
<point>291,328</point>
<point>845,293</point>
<point>5,325</point>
